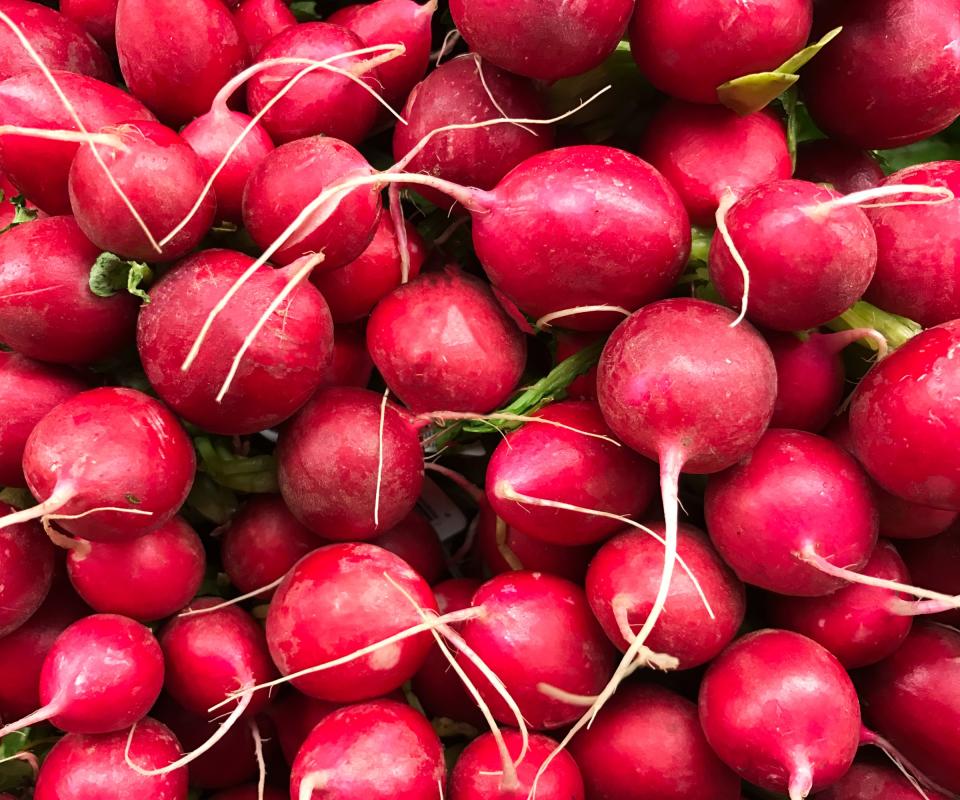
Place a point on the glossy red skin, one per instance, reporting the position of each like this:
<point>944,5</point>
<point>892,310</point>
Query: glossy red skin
<point>401,756</point>
<point>416,542</point>
<point>102,674</point>
<point>647,744</point>
<point>864,92</point>
<point>795,490</point>
<point>7,209</point>
<point>161,176</point>
<point>853,622</point>
<point>443,342</point>
<point>210,136</point>
<point>934,563</point>
<point>357,607</point>
<point>147,578</point>
<point>688,50</point>
<point>323,102</point>
<point>536,628</point>
<point>93,767</point>
<point>39,167</point>
<point>294,715</point>
<point>352,291</point>
<point>614,233</point>
<point>351,365</point>
<point>902,426</point>
<point>706,150</point>
<point>293,175</point>
<point>60,42</point>
<point>210,655</point>
<point>47,310</point>
<point>626,572</point>
<point>262,542</point>
<point>279,372</point>
<point>250,792</point>
<point>542,40</point>
<point>453,93</point>
<point>874,781</point>
<point>661,375</point>
<point>129,433</point>
<point>393,22</point>
<point>569,343</point>
<point>26,571</point>
<point>258,21</point>
<point>775,700</point>
<point>557,464</point>
<point>328,458</point>
<point>96,17</point>
<point>805,269</point>
<point>478,772</point>
<point>848,169</point>
<point>202,50</point>
<point>913,700</point>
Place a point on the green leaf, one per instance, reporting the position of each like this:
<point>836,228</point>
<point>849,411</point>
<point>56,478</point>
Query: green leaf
<point>111,274</point>
<point>22,213</point>
<point>305,10</point>
<point>251,474</point>
<point>896,330</point>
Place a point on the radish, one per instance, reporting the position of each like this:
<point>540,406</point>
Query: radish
<point>848,169</point>
<point>443,341</point>
<point>935,563</point>
<point>545,40</point>
<point>622,582</point>
<point>563,465</point>
<point>201,51</point>
<point>102,674</point>
<point>913,699</point>
<point>781,712</point>
<point>350,464</point>
<point>583,387</point>
<point>866,780</point>
<point>688,50</point>
<point>306,627</point>
<point>294,715</point>
<point>96,17</point>
<point>706,151</point>
<point>402,757</point>
<point>28,390</point>
<point>160,174</point>
<point>855,623</point>
<point>351,362</point>
<point>647,743</point>
<point>860,91</point>
<point>808,259</point>
<point>283,366</point>
<point>147,578</point>
<point>416,542</point>
<point>26,572</point>
<point>258,21</point>
<point>477,773</point>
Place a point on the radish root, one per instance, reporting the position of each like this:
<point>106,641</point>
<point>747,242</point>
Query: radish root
<point>452,416</point>
<point>261,764</point>
<point>376,498</point>
<point>726,202</point>
<point>193,612</point>
<point>940,195</point>
<point>547,319</point>
<point>474,492</point>
<point>801,781</point>
<point>57,135</point>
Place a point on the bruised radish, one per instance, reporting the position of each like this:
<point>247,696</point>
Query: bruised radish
<point>416,542</point>
<point>96,17</point>
<point>848,169</point>
<point>781,712</point>
<point>351,362</point>
<point>258,21</point>
<point>868,780</point>
<point>934,563</point>
<point>26,571</point>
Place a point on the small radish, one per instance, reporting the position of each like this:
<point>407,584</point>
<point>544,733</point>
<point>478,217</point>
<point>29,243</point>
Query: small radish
<point>351,362</point>
<point>294,715</point>
<point>935,564</point>
<point>848,169</point>
<point>96,17</point>
<point>867,780</point>
<point>416,542</point>
<point>781,712</point>
<point>26,571</point>
<point>258,21</point>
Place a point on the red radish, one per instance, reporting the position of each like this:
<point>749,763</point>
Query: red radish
<point>282,368</point>
<point>389,22</point>
<point>202,50</point>
<point>102,674</point>
<point>39,167</point>
<point>28,390</point>
<point>454,93</point>
<point>934,563</point>
<point>294,715</point>
<point>688,50</point>
<point>258,21</point>
<point>854,623</point>
<point>569,343</point>
<point>705,151</point>
<point>350,464</point>
<point>59,41</point>
<point>402,757</point>
<point>622,582</point>
<point>536,629</point>
<point>477,775</point>
<point>47,310</point>
<point>570,465</point>
<point>147,578</point>
<point>8,211</point>
<point>352,291</point>
<point>288,178</point>
<point>26,571</point>
<point>416,542</point>
<point>859,89</point>
<point>351,365</point>
<point>443,341</point>
<point>306,627</point>
<point>542,40</point>
<point>781,712</point>
<point>96,17</point>
<point>848,169</point>
<point>262,542</point>
<point>913,699</point>
<point>866,780</point>
<point>647,743</point>
<point>808,259</point>
<point>160,175</point>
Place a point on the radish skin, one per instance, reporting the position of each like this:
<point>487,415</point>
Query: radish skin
<point>258,21</point>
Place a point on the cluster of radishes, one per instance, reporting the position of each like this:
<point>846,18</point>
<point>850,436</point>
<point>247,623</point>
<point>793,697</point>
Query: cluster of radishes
<point>213,578</point>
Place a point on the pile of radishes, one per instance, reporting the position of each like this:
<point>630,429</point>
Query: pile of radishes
<point>479,399</point>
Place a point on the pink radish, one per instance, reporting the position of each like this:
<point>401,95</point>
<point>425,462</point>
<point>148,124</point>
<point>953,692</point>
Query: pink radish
<point>294,715</point>
<point>26,571</point>
<point>443,341</point>
<point>258,21</point>
<point>416,542</point>
<point>351,362</point>
<point>867,780</point>
<point>96,17</point>
<point>848,169</point>
<point>647,743</point>
<point>781,712</point>
<point>934,563</point>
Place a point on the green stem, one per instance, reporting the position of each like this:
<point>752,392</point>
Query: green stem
<point>251,474</point>
<point>896,330</point>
